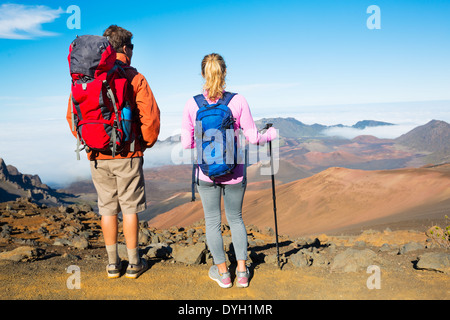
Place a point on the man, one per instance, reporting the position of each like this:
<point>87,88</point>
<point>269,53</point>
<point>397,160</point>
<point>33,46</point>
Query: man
<point>119,180</point>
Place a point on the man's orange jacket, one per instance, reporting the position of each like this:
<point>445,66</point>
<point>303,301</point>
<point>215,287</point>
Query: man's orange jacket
<point>149,115</point>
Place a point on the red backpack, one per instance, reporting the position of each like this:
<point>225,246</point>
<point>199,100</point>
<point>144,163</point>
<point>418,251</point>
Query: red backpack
<point>101,111</point>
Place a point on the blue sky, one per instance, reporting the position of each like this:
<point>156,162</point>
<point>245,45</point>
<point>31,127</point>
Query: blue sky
<point>315,60</point>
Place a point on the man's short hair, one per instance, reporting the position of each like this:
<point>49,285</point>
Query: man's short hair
<point>118,37</point>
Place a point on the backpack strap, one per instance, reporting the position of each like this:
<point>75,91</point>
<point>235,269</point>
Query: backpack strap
<point>124,66</point>
<point>74,129</point>
<point>195,169</point>
<point>200,100</point>
<point>111,97</point>
<point>226,98</point>
<point>120,67</point>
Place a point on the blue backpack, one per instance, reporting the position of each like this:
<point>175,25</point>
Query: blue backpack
<point>214,136</point>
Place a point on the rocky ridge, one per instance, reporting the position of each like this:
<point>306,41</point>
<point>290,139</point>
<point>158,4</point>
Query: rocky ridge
<point>14,184</point>
<point>32,232</point>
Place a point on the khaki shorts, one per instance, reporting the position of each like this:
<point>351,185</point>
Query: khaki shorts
<point>120,185</point>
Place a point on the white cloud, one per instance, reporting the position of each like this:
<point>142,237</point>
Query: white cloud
<point>381,132</point>
<point>21,22</point>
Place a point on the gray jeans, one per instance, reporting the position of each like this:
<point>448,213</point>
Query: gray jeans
<point>233,196</point>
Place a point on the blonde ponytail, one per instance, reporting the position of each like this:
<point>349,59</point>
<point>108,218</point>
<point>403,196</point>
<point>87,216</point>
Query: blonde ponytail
<point>214,71</point>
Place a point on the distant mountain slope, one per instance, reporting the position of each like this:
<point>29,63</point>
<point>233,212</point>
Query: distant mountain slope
<point>292,128</point>
<point>14,184</point>
<point>334,199</point>
<point>370,123</point>
<point>258,178</point>
<point>433,136</point>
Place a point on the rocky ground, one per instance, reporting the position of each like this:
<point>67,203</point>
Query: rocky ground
<point>57,253</point>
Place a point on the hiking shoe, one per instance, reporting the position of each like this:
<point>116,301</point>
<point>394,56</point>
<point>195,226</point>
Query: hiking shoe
<point>242,278</point>
<point>135,270</point>
<point>114,270</point>
<point>223,279</point>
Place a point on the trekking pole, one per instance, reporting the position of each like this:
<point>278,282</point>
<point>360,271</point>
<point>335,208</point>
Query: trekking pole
<point>268,125</point>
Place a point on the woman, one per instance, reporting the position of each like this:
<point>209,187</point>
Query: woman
<point>231,185</point>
